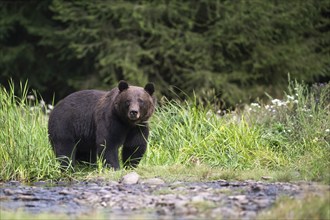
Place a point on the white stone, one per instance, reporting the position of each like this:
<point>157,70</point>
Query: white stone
<point>131,178</point>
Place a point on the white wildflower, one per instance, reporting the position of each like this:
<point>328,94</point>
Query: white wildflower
<point>255,105</point>
<point>31,97</point>
<point>327,130</point>
<point>289,97</point>
<point>278,102</point>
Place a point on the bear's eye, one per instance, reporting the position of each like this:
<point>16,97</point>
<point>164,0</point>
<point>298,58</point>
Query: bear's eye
<point>127,102</point>
<point>141,102</point>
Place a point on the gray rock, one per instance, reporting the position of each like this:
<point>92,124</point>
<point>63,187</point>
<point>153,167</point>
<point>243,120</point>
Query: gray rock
<point>266,177</point>
<point>14,183</point>
<point>223,183</point>
<point>26,198</point>
<point>40,183</point>
<point>262,203</point>
<point>180,203</point>
<point>65,192</point>
<point>153,181</point>
<point>112,183</point>
<point>257,187</point>
<point>9,192</point>
<point>131,178</point>
<point>198,198</point>
<point>240,198</point>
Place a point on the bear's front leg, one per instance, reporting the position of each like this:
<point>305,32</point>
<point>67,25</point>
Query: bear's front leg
<point>135,145</point>
<point>108,142</point>
<point>110,154</point>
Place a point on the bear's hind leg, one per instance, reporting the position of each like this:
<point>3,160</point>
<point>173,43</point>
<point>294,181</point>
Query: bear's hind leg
<point>65,151</point>
<point>135,146</point>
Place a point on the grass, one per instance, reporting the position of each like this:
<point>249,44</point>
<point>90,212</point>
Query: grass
<point>95,215</point>
<point>187,134</point>
<point>290,136</point>
<point>288,139</point>
<point>25,152</point>
<point>309,207</point>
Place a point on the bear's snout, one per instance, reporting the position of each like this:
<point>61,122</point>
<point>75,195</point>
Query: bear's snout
<point>133,113</point>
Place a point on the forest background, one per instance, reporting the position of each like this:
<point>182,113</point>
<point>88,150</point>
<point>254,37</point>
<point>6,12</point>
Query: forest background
<point>227,52</point>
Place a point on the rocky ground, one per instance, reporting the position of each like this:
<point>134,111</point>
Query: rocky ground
<point>151,198</point>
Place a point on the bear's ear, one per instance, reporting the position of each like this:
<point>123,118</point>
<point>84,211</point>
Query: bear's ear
<point>150,88</point>
<point>122,85</point>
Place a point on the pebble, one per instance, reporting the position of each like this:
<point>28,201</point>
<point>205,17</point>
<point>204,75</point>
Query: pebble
<point>40,183</point>
<point>14,183</point>
<point>130,178</point>
<point>9,192</point>
<point>180,200</point>
<point>198,198</point>
<point>153,181</point>
<point>242,199</point>
<point>112,183</point>
<point>26,197</point>
<point>257,187</point>
<point>266,177</point>
<point>65,192</point>
<point>262,203</point>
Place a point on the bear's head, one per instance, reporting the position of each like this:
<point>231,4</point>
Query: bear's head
<point>135,104</point>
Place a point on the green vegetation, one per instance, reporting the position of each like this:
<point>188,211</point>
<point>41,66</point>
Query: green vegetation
<point>238,49</point>
<point>291,134</point>
<point>25,153</point>
<point>20,214</point>
<point>287,139</point>
<point>309,207</point>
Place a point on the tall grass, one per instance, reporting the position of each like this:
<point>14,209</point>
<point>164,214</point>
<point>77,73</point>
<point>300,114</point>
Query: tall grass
<point>299,127</point>
<point>25,153</point>
<point>189,134</point>
<point>292,134</point>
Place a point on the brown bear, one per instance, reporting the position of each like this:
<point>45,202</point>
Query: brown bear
<point>92,123</point>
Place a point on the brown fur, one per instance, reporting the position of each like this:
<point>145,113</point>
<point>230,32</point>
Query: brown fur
<point>91,122</point>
